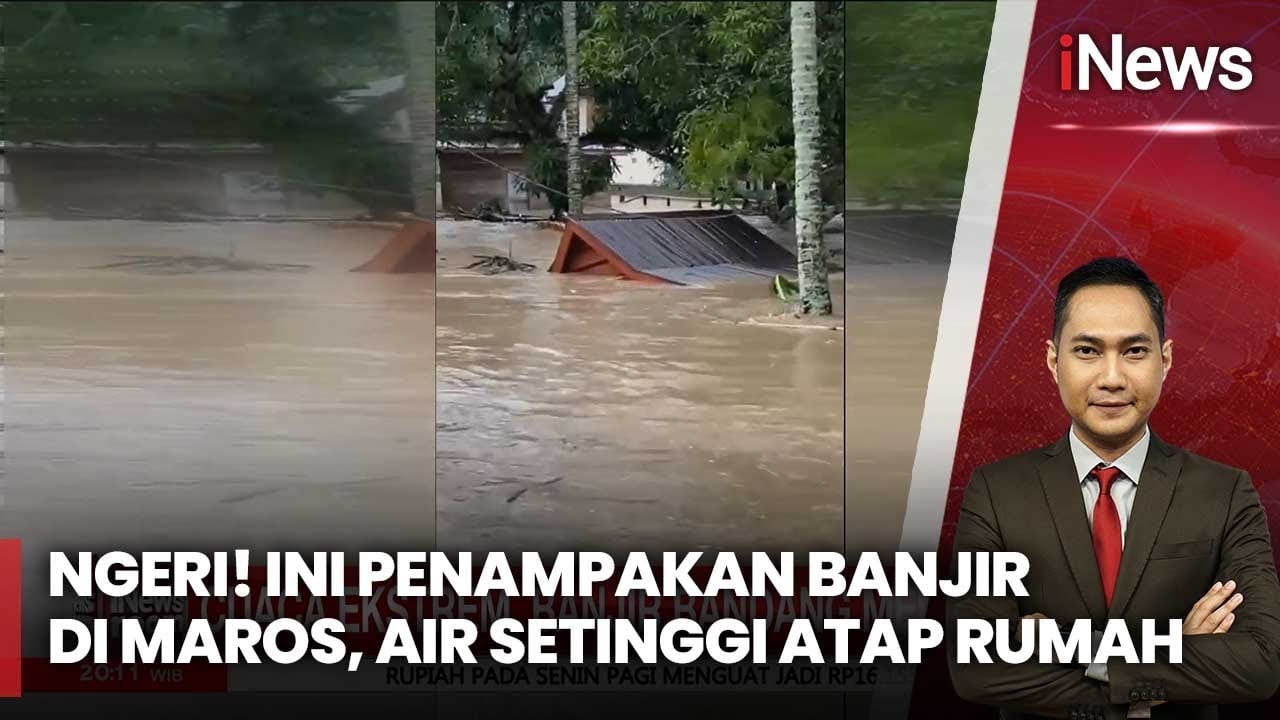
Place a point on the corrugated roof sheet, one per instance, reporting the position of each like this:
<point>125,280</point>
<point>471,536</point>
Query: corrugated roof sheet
<point>694,247</point>
<point>711,274</point>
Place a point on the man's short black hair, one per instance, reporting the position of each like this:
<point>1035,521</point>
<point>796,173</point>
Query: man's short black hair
<point>1107,271</point>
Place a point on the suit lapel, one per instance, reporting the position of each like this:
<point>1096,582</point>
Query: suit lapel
<point>1150,505</point>
<point>1066,507</point>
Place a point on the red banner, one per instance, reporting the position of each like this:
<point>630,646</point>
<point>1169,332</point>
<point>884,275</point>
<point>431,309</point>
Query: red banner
<point>10,618</point>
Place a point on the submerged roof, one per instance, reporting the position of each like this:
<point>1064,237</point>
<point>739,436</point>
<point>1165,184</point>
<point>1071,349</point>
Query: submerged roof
<point>684,248</point>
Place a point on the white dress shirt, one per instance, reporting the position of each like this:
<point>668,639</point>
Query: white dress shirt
<point>1123,489</point>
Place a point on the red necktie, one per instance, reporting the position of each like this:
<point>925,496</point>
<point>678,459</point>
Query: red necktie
<point>1107,542</point>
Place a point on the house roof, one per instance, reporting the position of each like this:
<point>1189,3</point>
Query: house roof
<point>682,248</point>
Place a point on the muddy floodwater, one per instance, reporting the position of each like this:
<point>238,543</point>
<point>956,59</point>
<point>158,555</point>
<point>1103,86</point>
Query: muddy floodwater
<point>580,411</point>
<point>215,385</point>
<point>897,272</point>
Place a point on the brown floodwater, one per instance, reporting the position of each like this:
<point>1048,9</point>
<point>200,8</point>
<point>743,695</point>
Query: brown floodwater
<point>896,273</point>
<point>211,386</point>
<point>578,411</point>
<point>215,385</point>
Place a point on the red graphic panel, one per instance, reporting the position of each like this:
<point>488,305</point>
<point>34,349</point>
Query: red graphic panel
<point>1184,182</point>
<point>10,618</point>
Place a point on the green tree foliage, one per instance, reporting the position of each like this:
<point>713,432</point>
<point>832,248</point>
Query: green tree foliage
<point>915,72</point>
<point>496,63</point>
<point>191,72</point>
<point>549,167</point>
<point>172,71</point>
<point>706,86</point>
<point>741,140</point>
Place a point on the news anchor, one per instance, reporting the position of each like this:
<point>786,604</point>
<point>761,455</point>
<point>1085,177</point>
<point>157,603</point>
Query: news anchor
<point>1118,524</point>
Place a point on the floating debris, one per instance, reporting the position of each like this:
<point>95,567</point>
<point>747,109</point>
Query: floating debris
<point>785,288</point>
<point>495,264</point>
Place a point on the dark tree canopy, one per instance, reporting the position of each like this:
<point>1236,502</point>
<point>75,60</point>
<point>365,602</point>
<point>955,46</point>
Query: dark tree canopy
<point>199,73</point>
<point>915,72</point>
<point>497,64</point>
<point>706,86</point>
<point>703,86</point>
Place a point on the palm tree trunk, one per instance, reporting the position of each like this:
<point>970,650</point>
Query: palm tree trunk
<point>418,28</point>
<point>413,248</point>
<point>815,295</point>
<point>571,106</point>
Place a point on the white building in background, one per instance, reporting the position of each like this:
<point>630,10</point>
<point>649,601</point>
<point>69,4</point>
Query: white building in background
<point>586,106</point>
<point>638,168</point>
<point>632,168</point>
<point>470,174</point>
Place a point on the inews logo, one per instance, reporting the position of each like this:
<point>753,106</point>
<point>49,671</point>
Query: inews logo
<point>1148,68</point>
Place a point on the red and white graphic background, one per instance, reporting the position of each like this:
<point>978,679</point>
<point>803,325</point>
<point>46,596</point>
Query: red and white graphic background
<point>1186,183</point>
<point>1198,210</point>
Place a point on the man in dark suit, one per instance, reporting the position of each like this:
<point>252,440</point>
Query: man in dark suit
<point>1118,524</point>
